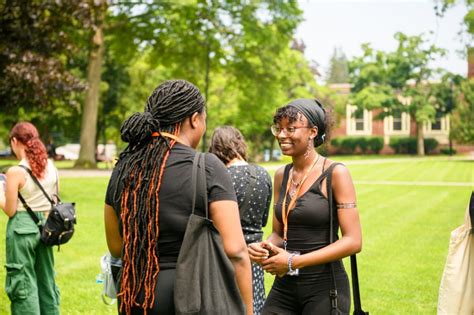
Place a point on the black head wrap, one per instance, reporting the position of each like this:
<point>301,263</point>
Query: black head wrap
<point>316,115</point>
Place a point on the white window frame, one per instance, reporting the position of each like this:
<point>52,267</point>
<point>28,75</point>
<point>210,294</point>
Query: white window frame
<point>445,125</point>
<point>351,122</point>
<point>388,125</point>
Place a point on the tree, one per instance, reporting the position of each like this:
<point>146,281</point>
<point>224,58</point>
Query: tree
<point>87,153</point>
<point>338,68</point>
<point>38,41</point>
<point>442,5</point>
<point>399,81</point>
<point>462,127</point>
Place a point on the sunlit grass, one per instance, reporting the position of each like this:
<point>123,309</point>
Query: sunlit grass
<point>406,231</point>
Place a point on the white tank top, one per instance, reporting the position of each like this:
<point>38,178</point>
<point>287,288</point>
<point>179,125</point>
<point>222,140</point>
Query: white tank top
<point>32,194</point>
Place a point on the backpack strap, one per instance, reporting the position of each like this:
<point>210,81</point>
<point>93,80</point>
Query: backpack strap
<point>244,205</point>
<point>38,183</point>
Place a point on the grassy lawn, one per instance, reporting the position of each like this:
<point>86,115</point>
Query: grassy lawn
<point>406,232</point>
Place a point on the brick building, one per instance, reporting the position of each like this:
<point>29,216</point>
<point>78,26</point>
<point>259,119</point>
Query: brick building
<point>365,124</point>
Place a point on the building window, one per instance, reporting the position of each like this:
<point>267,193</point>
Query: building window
<point>397,122</point>
<point>436,125</point>
<point>358,122</point>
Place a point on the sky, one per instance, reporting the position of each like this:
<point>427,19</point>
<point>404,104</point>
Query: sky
<point>349,23</point>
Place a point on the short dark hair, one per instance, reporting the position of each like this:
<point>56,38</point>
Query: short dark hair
<point>228,143</point>
<point>293,114</point>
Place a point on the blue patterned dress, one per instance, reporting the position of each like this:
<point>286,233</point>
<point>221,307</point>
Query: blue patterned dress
<point>254,219</point>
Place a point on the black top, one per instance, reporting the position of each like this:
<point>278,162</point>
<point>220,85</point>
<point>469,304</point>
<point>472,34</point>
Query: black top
<point>308,222</point>
<point>260,198</point>
<point>176,198</point>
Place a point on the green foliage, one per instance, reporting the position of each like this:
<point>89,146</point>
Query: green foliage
<point>407,145</point>
<point>399,81</point>
<point>462,119</point>
<point>349,145</point>
<point>448,151</point>
<point>338,68</point>
<point>468,18</point>
<point>38,42</point>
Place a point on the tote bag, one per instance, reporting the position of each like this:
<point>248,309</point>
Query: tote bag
<point>456,292</point>
<point>205,279</point>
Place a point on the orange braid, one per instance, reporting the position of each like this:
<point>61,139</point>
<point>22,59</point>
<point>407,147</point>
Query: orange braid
<point>133,283</point>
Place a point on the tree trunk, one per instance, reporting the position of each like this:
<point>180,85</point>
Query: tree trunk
<point>420,145</point>
<point>87,153</point>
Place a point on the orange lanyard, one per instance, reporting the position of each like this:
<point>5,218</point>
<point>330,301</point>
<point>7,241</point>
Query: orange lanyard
<point>285,212</point>
<point>168,135</point>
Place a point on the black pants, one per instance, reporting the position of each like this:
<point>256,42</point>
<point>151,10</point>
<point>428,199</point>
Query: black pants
<point>308,294</point>
<point>164,304</point>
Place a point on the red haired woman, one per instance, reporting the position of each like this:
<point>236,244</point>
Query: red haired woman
<point>30,281</point>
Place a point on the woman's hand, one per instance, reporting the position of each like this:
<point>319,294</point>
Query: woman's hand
<point>257,252</point>
<point>277,264</point>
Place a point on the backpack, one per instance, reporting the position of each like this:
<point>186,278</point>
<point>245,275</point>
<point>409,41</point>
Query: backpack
<point>59,226</point>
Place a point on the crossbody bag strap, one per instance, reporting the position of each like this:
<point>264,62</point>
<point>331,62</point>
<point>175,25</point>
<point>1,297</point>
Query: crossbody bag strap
<point>354,274</point>
<point>194,179</point>
<point>38,183</point>
<point>244,206</point>
<point>202,181</point>
<point>333,291</point>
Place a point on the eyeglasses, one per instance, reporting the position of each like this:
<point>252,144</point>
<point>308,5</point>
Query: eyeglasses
<point>289,131</point>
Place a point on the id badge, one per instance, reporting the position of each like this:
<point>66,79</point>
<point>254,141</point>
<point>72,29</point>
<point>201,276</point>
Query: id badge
<point>294,272</point>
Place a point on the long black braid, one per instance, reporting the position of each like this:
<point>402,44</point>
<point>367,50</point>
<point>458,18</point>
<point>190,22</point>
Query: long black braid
<point>140,170</point>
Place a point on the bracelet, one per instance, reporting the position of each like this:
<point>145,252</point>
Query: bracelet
<point>290,263</point>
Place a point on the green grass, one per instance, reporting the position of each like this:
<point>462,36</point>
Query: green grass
<point>406,232</point>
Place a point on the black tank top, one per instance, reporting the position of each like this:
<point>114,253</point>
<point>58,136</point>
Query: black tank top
<point>308,222</point>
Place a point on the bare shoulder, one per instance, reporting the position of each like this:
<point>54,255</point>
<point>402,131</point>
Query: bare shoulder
<point>15,171</point>
<point>279,174</point>
<point>340,171</point>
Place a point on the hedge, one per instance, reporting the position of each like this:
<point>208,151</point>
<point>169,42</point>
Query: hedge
<point>407,145</point>
<point>348,145</point>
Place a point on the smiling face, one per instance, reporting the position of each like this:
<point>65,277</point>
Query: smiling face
<point>294,136</point>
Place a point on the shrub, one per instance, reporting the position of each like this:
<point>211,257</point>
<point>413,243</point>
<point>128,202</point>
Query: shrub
<point>408,145</point>
<point>375,144</point>
<point>430,145</point>
<point>363,143</point>
<point>448,151</point>
<point>348,145</point>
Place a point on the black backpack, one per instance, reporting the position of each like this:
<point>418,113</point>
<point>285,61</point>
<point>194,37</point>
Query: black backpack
<point>59,226</point>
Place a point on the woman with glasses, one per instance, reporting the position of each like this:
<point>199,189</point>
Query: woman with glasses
<point>253,187</point>
<point>298,251</point>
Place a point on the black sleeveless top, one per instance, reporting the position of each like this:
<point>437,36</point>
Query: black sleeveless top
<point>308,222</point>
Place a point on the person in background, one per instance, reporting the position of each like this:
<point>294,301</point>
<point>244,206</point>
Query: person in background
<point>299,251</point>
<point>149,200</point>
<point>253,187</point>
<point>30,283</point>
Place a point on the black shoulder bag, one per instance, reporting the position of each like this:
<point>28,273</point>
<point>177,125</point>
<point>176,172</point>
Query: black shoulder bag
<point>205,279</point>
<point>355,277</point>
<point>59,226</point>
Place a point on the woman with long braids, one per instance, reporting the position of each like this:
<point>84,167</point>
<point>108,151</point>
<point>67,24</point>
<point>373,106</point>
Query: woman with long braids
<point>149,200</point>
<point>30,283</point>
<point>298,251</point>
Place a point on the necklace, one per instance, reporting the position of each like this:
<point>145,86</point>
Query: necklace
<point>285,210</point>
<point>297,183</point>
